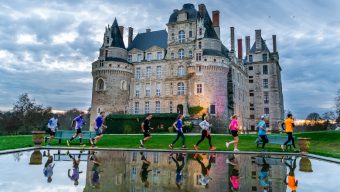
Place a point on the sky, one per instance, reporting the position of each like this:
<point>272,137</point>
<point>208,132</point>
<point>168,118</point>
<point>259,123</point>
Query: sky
<point>47,47</point>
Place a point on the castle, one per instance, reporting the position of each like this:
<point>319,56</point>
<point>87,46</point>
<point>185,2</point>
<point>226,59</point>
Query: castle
<point>168,71</point>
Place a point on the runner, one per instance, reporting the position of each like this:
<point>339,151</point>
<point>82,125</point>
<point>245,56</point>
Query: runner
<point>205,126</point>
<point>264,174</point>
<point>52,125</point>
<point>205,170</point>
<point>48,168</point>
<point>146,130</point>
<point>233,130</point>
<point>178,125</point>
<point>234,179</point>
<point>145,171</point>
<point>261,126</point>
<point>95,178</point>
<point>98,125</point>
<point>289,125</point>
<point>179,168</point>
<point>292,182</point>
<point>75,171</point>
<point>78,124</point>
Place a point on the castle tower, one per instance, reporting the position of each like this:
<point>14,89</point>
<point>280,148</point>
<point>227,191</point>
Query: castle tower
<point>111,74</point>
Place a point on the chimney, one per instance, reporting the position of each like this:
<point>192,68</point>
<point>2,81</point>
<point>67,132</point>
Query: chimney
<point>258,39</point>
<point>148,30</point>
<point>130,37</point>
<point>201,9</point>
<point>232,39</point>
<point>274,44</point>
<point>239,49</point>
<point>121,29</point>
<point>247,45</point>
<point>216,22</point>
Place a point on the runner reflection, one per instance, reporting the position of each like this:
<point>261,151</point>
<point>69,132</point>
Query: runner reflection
<point>95,173</point>
<point>292,182</point>
<point>48,168</point>
<point>205,170</point>
<point>264,174</point>
<point>145,171</point>
<point>179,157</point>
<point>234,168</point>
<point>75,168</point>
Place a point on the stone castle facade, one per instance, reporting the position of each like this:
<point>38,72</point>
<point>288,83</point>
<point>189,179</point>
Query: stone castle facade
<point>168,71</point>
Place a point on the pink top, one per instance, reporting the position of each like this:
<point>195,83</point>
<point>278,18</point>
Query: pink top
<point>235,182</point>
<point>233,125</point>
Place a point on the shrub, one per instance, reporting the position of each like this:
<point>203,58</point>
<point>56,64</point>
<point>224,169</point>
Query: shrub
<point>194,110</point>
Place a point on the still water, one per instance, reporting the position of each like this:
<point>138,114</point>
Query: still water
<point>60,170</point>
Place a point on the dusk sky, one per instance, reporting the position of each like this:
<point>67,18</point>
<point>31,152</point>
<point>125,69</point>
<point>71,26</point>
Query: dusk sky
<point>47,47</point>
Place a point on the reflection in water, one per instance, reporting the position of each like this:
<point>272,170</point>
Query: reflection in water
<point>154,171</point>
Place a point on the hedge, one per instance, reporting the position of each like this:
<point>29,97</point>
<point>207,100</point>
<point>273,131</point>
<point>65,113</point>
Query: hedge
<point>123,123</point>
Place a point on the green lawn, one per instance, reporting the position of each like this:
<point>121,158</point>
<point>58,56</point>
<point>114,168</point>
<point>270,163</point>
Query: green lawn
<point>324,143</point>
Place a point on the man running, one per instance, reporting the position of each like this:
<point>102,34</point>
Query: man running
<point>178,125</point>
<point>98,125</point>
<point>52,125</point>
<point>289,124</point>
<point>145,170</point>
<point>261,126</point>
<point>234,132</point>
<point>292,181</point>
<point>78,124</point>
<point>146,130</point>
<point>205,126</point>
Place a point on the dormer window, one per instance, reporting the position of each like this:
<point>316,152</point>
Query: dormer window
<point>200,45</point>
<point>107,40</point>
<point>181,36</point>
<point>200,31</point>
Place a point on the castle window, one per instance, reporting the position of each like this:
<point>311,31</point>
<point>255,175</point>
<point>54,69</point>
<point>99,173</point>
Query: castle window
<point>148,71</point>
<point>251,81</point>
<point>212,109</point>
<point>190,54</point>
<point>250,58</point>
<point>158,106</point>
<point>159,72</point>
<point>199,69</point>
<point>101,63</point>
<point>250,68</point>
<point>172,36</point>
<point>200,31</point>
<point>250,77</point>
<point>180,71</point>
<point>106,53</point>
<point>265,83</point>
<point>198,56</point>
<point>137,73</point>
<point>265,97</point>
<point>181,36</point>
<point>266,110</point>
<point>134,158</point>
<point>130,58</point>
<point>159,56</point>
<point>199,88</point>
<point>158,89</point>
<point>265,69</point>
<point>264,57</point>
<point>180,88</point>
<point>149,56</point>
<point>251,94</point>
<point>200,45</point>
<point>214,60</point>
<point>100,85</point>
<point>190,33</point>
<point>107,40</point>
<point>123,85</point>
<point>147,107</point>
<point>181,53</point>
<point>139,57</point>
<point>170,106</point>
<point>147,90</point>
<point>137,91</point>
<point>136,107</point>
<point>172,55</point>
<point>252,116</point>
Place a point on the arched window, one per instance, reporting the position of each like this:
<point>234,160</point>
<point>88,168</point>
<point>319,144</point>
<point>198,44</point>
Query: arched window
<point>181,53</point>
<point>180,88</point>
<point>100,85</point>
<point>180,71</point>
<point>190,54</point>
<point>123,85</point>
<point>181,36</point>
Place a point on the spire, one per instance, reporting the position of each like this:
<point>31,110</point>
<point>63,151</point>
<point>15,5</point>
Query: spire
<point>117,39</point>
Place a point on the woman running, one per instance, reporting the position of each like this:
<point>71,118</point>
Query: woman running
<point>205,126</point>
<point>233,130</point>
<point>178,125</point>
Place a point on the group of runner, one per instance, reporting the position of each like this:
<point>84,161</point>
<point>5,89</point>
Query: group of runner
<point>99,124</point>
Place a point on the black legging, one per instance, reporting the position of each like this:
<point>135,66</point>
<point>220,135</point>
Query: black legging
<point>264,140</point>
<point>205,134</point>
<point>179,134</point>
<point>290,138</point>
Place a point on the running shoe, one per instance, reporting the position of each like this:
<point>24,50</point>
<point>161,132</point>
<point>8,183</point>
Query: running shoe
<point>141,142</point>
<point>184,147</point>
<point>195,156</point>
<point>68,142</point>
<point>227,144</point>
<point>283,147</point>
<point>195,147</point>
<point>171,146</point>
<point>213,148</point>
<point>141,146</point>
<point>236,150</point>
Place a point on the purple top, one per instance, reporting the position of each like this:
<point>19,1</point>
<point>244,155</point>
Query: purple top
<point>75,175</point>
<point>79,122</point>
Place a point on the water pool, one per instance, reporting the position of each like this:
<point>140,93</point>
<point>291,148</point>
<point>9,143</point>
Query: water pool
<point>130,171</point>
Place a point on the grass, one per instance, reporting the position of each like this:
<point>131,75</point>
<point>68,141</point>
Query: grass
<point>326,143</point>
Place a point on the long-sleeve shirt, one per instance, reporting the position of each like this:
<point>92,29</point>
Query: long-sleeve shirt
<point>204,125</point>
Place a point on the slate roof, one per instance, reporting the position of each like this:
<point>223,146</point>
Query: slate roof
<point>209,29</point>
<point>264,47</point>
<point>117,39</point>
<point>116,59</point>
<point>189,9</point>
<point>144,41</point>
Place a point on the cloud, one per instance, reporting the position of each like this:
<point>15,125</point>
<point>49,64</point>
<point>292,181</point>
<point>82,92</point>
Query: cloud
<point>48,47</point>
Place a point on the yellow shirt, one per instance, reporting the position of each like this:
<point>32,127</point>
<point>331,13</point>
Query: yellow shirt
<point>289,125</point>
